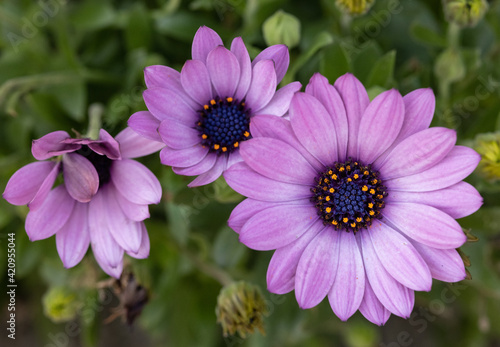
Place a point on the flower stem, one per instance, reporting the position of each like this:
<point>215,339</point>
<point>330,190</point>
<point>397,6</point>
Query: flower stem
<point>208,269</point>
<point>95,115</point>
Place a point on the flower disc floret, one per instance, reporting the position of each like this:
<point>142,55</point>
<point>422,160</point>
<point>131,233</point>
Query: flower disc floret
<point>349,196</point>
<point>224,124</point>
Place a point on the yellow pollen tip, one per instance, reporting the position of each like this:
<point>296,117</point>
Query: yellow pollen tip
<point>334,222</point>
<point>370,205</point>
<point>206,107</point>
<point>372,191</point>
<point>204,137</point>
<point>345,220</point>
<point>334,177</point>
<point>371,212</point>
<point>353,225</point>
<point>327,198</point>
<point>216,146</point>
<point>246,134</point>
<point>359,219</point>
<point>374,181</point>
<point>229,99</point>
<point>328,209</point>
<point>242,104</point>
<point>341,169</point>
<point>224,149</point>
<point>332,190</point>
<point>326,180</point>
<point>349,179</point>
<point>330,172</point>
<point>365,173</point>
<point>356,176</point>
<point>236,144</point>
<point>212,102</point>
<point>348,168</point>
<point>364,188</point>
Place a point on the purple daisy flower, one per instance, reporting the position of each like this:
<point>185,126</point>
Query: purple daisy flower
<point>203,113</point>
<point>103,200</point>
<point>358,198</point>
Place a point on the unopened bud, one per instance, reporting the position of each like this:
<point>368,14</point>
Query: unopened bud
<point>488,146</point>
<point>282,28</point>
<point>355,7</point>
<point>241,308</point>
<point>60,304</point>
<point>449,66</point>
<point>465,13</point>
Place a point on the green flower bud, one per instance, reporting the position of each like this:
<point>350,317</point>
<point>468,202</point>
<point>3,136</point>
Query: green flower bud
<point>282,28</point>
<point>241,308</point>
<point>60,304</point>
<point>488,146</point>
<point>465,13</point>
<point>449,66</point>
<point>355,7</point>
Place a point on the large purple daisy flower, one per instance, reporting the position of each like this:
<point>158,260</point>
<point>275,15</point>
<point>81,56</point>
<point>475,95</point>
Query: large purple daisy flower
<point>358,198</point>
<point>103,200</point>
<point>203,113</point>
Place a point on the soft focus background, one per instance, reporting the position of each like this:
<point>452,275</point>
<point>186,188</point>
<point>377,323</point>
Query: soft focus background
<point>62,59</point>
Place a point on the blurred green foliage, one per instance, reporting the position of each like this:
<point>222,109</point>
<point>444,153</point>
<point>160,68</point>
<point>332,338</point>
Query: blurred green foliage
<point>59,57</point>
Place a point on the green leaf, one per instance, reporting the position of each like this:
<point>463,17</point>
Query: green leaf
<point>138,32</point>
<point>427,36</point>
<point>72,97</point>
<point>227,250</point>
<point>364,59</point>
<point>383,71</point>
<point>334,62</point>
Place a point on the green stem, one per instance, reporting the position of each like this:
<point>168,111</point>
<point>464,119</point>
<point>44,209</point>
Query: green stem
<point>208,269</point>
<point>95,115</point>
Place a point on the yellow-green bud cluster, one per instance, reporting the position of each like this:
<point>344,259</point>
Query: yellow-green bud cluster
<point>355,7</point>
<point>465,13</point>
<point>488,146</point>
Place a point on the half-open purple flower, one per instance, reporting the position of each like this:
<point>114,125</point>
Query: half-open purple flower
<point>203,113</point>
<point>103,200</point>
<point>358,198</point>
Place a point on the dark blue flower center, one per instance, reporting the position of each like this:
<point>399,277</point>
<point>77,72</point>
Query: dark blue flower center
<point>224,124</point>
<point>101,163</point>
<point>349,195</point>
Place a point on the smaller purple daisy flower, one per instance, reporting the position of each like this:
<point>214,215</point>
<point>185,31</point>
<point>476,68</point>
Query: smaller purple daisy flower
<point>203,113</point>
<point>103,200</point>
<point>358,198</point>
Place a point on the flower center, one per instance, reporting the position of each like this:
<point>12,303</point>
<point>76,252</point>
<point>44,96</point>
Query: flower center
<point>349,195</point>
<point>101,163</point>
<point>224,124</point>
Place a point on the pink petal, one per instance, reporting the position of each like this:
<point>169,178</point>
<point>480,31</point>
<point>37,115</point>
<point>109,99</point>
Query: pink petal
<point>135,182</point>
<point>212,174</point>
<point>80,177</point>
<point>133,145</point>
<point>106,145</point>
<point>177,135</point>
<point>204,41</point>
<point>26,182</point>
<point>445,264</point>
<point>372,308</point>
<point>356,101</point>
<point>183,157</point>
<point>51,145</point>
<point>425,224</point>
<point>279,55</point>
<point>263,86</point>
<point>143,251</point>
<point>330,98</point>
<point>393,295</point>
<point>247,182</point>
<point>457,165</point>
<point>283,264</point>
<point>73,239</point>
<point>314,127</point>
<point>246,210</point>
<point>113,271</point>
<point>45,188</point>
<point>459,200</point>
<point>277,160</point>
<point>144,123</point>
<point>205,165</point>
<point>241,53</point>
<point>419,110</point>
<point>224,71</point>
<point>280,102</point>
<point>132,211</point>
<point>348,288</point>
<point>418,153</point>
<point>277,226</point>
<point>196,81</point>
<point>51,216</point>
<point>167,104</point>
<point>401,260</point>
<point>317,268</point>
<point>380,125</point>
